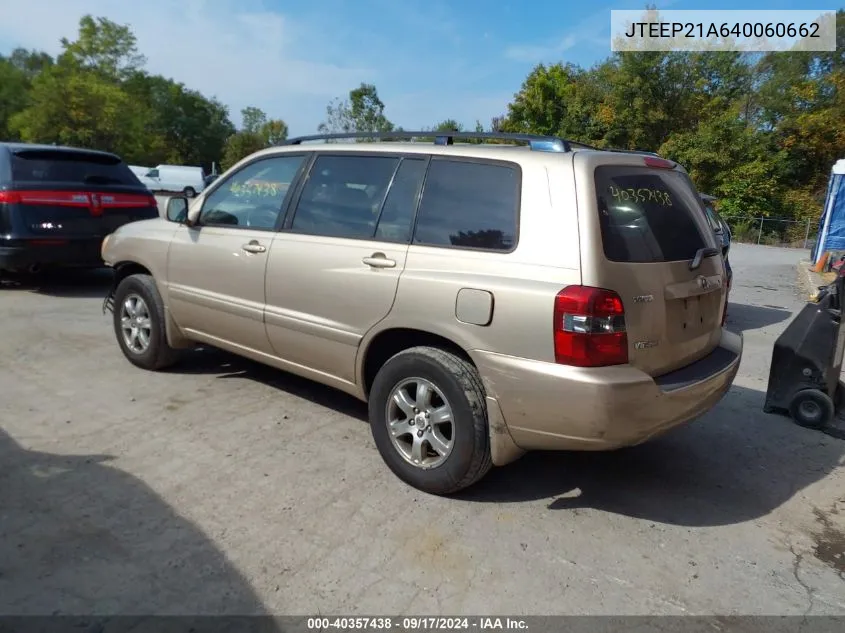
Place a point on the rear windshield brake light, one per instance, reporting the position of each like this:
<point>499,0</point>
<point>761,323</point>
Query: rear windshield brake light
<point>659,163</point>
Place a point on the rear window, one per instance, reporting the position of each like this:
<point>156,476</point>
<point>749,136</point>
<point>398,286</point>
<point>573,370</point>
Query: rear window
<point>647,215</point>
<point>71,167</point>
<point>469,205</point>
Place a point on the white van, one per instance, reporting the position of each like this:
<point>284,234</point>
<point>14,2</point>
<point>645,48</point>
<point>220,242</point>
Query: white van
<point>175,178</point>
<point>140,172</point>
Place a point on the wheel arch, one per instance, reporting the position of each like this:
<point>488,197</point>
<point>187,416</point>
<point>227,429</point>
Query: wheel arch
<point>127,268</point>
<point>381,346</point>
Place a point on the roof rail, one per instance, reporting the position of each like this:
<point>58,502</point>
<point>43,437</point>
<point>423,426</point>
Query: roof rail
<point>537,142</point>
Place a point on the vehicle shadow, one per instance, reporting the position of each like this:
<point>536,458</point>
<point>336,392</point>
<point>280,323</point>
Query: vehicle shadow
<point>62,283</point>
<point>734,464</point>
<point>79,536</point>
<point>209,360</point>
<point>742,316</point>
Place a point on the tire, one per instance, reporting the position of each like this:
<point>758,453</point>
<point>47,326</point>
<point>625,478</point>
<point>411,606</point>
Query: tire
<point>156,354</point>
<point>811,408</point>
<point>455,383</point>
<point>189,192</point>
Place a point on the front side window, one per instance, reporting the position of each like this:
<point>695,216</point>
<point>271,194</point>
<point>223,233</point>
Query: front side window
<point>469,205</point>
<point>343,196</point>
<point>254,196</point>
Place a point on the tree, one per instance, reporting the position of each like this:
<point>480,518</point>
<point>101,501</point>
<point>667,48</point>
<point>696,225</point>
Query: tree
<point>449,125</point>
<point>104,47</point>
<point>13,96</point>
<point>240,145</point>
<point>363,111</point>
<point>558,100</point>
<point>182,126</point>
<point>252,119</point>
<point>75,107</point>
<point>79,100</point>
<point>96,94</point>
<point>31,63</point>
<point>274,131</point>
<point>257,132</point>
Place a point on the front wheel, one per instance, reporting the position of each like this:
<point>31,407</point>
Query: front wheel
<point>139,323</point>
<point>428,417</point>
<point>189,192</point>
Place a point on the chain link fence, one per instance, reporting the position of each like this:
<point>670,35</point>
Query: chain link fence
<point>773,231</point>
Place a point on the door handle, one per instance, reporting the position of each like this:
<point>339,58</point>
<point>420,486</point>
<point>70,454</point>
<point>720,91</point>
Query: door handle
<point>378,260</point>
<point>254,247</point>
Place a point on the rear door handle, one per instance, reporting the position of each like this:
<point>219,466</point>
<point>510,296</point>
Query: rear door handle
<point>379,260</point>
<point>254,247</point>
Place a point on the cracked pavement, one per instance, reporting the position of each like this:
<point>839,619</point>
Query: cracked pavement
<point>226,487</point>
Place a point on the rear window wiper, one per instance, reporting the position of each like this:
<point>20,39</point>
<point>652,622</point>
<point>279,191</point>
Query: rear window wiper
<point>700,254</point>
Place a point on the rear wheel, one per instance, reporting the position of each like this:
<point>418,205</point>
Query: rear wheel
<point>429,420</point>
<point>189,192</point>
<point>811,408</point>
<point>139,323</point>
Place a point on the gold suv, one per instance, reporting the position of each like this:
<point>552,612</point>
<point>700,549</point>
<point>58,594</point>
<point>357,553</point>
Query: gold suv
<point>484,299</point>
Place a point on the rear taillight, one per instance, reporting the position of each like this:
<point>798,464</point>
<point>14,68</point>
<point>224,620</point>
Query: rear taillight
<point>589,327</point>
<point>82,199</point>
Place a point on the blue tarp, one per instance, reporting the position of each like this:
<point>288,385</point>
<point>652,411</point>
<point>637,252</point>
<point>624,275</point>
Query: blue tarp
<point>832,222</point>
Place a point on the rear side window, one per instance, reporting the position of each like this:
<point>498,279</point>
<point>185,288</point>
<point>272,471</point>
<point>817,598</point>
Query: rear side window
<point>647,215</point>
<point>343,196</point>
<point>71,167</point>
<point>469,205</point>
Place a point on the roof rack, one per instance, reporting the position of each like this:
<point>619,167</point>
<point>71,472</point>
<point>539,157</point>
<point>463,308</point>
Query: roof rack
<point>536,142</point>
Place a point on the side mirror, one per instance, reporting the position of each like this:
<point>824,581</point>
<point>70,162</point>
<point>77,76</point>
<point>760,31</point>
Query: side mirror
<point>177,209</point>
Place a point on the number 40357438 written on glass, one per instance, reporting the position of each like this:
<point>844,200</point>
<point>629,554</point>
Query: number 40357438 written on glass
<point>642,195</point>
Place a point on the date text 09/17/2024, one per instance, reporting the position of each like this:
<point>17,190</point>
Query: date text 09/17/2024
<point>415,623</point>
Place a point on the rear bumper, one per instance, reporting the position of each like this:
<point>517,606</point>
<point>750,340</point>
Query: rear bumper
<point>546,406</point>
<point>20,255</point>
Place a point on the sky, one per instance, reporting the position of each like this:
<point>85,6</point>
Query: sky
<point>429,59</point>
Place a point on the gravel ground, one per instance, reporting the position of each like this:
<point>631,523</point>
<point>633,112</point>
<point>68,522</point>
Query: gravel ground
<point>226,487</point>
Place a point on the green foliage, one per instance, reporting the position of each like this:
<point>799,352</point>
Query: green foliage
<point>239,146</point>
<point>96,94</point>
<point>14,87</point>
<point>103,47</point>
<point>759,130</point>
<point>257,132</point>
<point>363,111</point>
<point>449,125</point>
